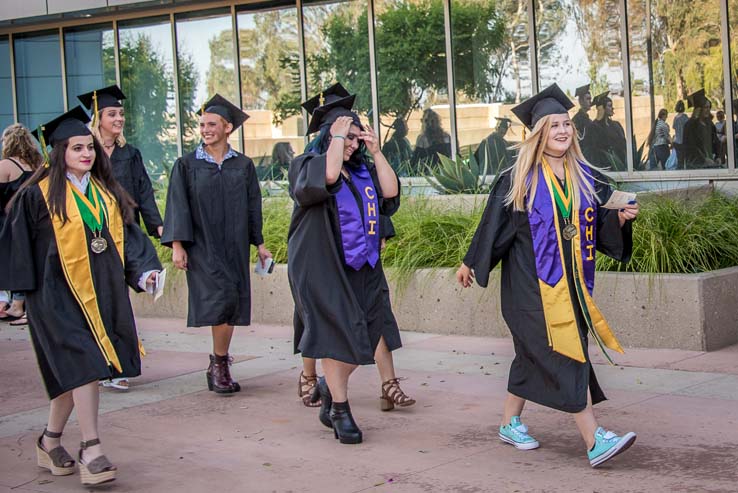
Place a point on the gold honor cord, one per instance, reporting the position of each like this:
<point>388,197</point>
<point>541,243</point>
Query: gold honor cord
<point>563,199</point>
<point>94,108</point>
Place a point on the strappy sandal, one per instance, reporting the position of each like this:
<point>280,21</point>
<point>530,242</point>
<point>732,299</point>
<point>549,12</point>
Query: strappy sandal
<point>392,395</point>
<point>99,470</point>
<point>305,386</point>
<point>56,460</point>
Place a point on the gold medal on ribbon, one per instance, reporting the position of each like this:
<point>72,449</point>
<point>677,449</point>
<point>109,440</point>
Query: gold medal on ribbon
<point>570,231</point>
<point>98,244</point>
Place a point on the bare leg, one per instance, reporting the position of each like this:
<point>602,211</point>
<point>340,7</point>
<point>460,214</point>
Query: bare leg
<point>59,411</point>
<point>587,423</point>
<point>222,335</point>
<point>337,375</point>
<point>309,366</point>
<point>17,308</point>
<point>513,407</point>
<point>385,363</point>
<point>87,402</point>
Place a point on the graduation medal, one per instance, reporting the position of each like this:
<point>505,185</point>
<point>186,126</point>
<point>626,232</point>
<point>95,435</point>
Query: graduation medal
<point>563,197</point>
<point>92,210</point>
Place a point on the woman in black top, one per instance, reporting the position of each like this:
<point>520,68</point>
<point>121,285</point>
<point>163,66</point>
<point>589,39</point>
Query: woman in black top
<point>108,120</point>
<point>20,158</point>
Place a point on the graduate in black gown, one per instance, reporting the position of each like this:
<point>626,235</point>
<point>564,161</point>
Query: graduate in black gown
<point>544,222</point>
<point>699,133</point>
<point>212,218</point>
<point>494,151</point>
<point>72,246</point>
<point>342,311</point>
<point>607,147</point>
<point>582,121</point>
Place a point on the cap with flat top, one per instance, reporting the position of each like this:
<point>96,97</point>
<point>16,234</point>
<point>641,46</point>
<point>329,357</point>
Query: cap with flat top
<point>107,97</point>
<point>73,123</point>
<point>601,99</point>
<point>581,90</point>
<point>550,101</point>
<point>220,106</point>
<point>329,105</point>
<point>697,99</point>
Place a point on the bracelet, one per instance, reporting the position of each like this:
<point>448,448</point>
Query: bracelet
<point>338,137</point>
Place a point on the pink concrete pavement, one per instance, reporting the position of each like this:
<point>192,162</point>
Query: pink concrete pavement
<point>264,440</point>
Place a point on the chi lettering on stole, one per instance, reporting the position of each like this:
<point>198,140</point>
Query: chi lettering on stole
<point>371,210</point>
<point>589,232</point>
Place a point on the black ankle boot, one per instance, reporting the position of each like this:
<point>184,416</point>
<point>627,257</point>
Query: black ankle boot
<point>344,426</point>
<point>323,393</point>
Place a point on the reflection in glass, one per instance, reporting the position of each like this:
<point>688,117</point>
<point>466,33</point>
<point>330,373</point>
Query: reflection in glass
<point>492,71</point>
<point>676,51</point>
<point>733,23</point>
<point>270,88</point>
<point>205,64</point>
<point>579,44</point>
<point>90,60</point>
<point>147,79</point>
<point>6,86</point>
<point>412,83</point>
<point>38,78</point>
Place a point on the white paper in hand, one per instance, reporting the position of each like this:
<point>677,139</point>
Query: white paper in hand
<point>267,268</point>
<point>619,199</point>
<point>161,280</point>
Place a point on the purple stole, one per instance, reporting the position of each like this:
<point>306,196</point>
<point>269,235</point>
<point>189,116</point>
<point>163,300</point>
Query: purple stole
<point>359,236</point>
<point>558,305</point>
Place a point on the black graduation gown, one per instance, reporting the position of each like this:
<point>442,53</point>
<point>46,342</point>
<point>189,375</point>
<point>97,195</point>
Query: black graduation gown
<point>216,214</point>
<point>340,313</point>
<point>494,150</point>
<point>129,170</point>
<point>608,146</point>
<point>67,353</point>
<point>583,124</point>
<point>538,373</point>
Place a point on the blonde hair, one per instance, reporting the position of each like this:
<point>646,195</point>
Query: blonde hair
<point>95,129</point>
<point>530,157</point>
<point>18,143</point>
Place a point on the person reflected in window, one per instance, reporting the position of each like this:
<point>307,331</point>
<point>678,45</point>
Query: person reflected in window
<point>212,218</point>
<point>20,158</point>
<point>582,121</point>
<point>721,128</point>
<point>680,120</point>
<point>659,141</point>
<point>397,149</point>
<point>282,156</point>
<point>608,136</point>
<point>432,141</point>
<point>698,133</point>
<point>494,151</point>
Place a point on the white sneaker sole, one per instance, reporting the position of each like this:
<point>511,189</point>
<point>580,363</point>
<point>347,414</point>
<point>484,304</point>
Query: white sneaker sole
<point>519,446</point>
<point>624,444</point>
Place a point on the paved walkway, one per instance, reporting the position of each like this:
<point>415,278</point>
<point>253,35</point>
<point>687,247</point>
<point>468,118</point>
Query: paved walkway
<point>169,434</point>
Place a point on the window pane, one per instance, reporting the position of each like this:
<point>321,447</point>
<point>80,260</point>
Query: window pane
<point>270,88</point>
<point>413,83</point>
<point>733,20</point>
<point>676,50</point>
<point>90,60</point>
<point>492,71</point>
<point>6,86</point>
<point>205,64</point>
<point>147,80</point>
<point>578,44</point>
<point>38,78</point>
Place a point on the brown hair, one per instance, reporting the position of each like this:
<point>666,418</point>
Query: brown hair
<point>18,143</point>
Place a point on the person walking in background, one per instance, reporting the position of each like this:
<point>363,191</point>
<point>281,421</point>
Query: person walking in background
<point>20,158</point>
<point>397,149</point>
<point>608,137</point>
<point>582,121</point>
<point>71,244</point>
<point>212,217</point>
<point>494,151</point>
<point>108,121</point>
<point>680,120</point>
<point>659,140</point>
<point>432,140</point>
<point>543,221</point>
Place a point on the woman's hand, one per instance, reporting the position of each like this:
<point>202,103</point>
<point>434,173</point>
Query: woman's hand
<point>179,255</point>
<point>628,213</point>
<point>151,280</point>
<point>263,254</point>
<point>341,126</point>
<point>370,140</point>
<point>465,276</point>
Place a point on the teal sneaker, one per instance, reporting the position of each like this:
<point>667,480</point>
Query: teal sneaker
<point>608,445</point>
<point>516,434</point>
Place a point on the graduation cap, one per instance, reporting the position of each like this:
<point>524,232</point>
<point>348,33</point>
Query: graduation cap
<point>550,101</point>
<point>697,99</point>
<point>581,91</point>
<point>327,106</point>
<point>601,99</point>
<point>102,98</point>
<point>219,105</point>
<point>73,123</point>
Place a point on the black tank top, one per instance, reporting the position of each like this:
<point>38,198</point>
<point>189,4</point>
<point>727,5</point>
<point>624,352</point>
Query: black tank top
<point>8,189</point>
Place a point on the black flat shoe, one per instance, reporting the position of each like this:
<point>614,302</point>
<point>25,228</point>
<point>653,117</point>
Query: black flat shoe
<point>344,426</point>
<point>323,393</point>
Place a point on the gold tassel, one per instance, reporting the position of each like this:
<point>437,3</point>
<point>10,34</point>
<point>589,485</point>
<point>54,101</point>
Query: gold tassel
<point>523,133</point>
<point>42,141</point>
<point>321,100</point>
<point>94,109</point>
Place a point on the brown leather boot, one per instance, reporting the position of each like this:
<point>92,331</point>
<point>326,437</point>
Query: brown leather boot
<point>219,375</point>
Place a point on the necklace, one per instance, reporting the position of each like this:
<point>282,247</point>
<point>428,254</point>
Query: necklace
<point>551,155</point>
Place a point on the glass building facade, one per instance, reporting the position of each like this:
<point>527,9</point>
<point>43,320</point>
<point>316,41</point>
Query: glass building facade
<point>433,77</point>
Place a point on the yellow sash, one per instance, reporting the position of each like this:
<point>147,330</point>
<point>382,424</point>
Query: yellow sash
<point>71,241</point>
<point>558,308</point>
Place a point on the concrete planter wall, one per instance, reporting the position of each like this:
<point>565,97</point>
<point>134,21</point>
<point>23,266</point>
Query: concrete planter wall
<point>695,312</point>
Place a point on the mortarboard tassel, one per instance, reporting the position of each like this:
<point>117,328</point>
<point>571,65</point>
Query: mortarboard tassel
<point>94,109</point>
<point>42,141</point>
<point>321,100</point>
